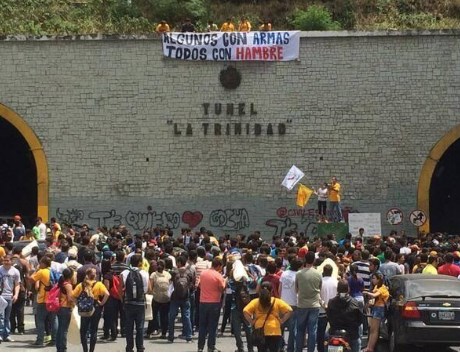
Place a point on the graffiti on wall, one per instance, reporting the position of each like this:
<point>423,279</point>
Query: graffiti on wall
<point>306,220</point>
<point>229,219</point>
<point>225,219</point>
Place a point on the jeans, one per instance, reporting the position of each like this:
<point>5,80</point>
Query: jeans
<point>161,310</point>
<point>184,306</point>
<point>5,324</point>
<point>44,316</point>
<point>237,318</point>
<point>90,324</point>
<point>17,313</point>
<point>227,311</point>
<point>197,308</point>
<point>336,211</point>
<point>355,345</point>
<point>291,325</point>
<point>111,317</point>
<point>307,322</point>
<point>321,332</point>
<point>192,309</point>
<point>135,315</point>
<point>63,318</point>
<point>209,321</point>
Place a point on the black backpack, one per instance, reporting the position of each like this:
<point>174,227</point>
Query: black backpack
<point>18,266</point>
<point>182,285</point>
<point>134,288</point>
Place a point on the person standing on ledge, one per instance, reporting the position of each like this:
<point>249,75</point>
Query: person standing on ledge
<point>334,200</point>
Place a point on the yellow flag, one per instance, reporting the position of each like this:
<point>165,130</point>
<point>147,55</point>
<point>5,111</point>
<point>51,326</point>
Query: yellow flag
<point>303,195</point>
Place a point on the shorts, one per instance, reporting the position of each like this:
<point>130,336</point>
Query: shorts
<point>378,312</point>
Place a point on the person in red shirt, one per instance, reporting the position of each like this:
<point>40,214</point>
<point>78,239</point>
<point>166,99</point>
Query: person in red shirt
<point>272,278</point>
<point>449,268</point>
<point>212,286</point>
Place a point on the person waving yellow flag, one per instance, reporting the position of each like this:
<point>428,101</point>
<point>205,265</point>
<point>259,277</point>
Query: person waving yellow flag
<point>303,195</point>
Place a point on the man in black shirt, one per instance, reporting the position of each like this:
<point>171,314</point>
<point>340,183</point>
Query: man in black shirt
<point>343,313</point>
<point>187,26</point>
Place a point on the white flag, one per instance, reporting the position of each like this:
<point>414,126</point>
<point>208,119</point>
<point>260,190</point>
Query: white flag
<point>292,177</point>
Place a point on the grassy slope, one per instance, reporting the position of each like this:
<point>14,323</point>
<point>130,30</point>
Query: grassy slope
<point>39,17</point>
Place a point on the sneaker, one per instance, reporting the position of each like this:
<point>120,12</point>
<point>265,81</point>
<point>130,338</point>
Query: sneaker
<point>105,338</point>
<point>189,341</point>
<point>181,337</point>
<point>171,340</point>
<point>38,344</point>
<point>47,339</point>
<point>9,339</point>
<point>163,337</point>
<point>200,350</point>
<point>213,350</point>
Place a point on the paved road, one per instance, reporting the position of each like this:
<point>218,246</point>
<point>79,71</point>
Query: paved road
<point>225,344</point>
<point>24,342</point>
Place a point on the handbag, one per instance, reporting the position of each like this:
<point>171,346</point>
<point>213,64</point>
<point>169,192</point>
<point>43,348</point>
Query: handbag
<point>148,307</point>
<point>258,335</point>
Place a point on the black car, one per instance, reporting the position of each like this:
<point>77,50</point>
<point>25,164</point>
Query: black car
<point>424,309</point>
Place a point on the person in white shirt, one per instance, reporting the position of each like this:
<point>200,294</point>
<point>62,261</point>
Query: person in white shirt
<point>322,193</point>
<point>288,293</point>
<point>328,291</point>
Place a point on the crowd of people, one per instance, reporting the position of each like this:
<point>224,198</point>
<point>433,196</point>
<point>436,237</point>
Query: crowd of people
<point>284,293</point>
<point>228,26</point>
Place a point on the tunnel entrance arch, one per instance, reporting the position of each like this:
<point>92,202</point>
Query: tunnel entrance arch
<point>24,169</point>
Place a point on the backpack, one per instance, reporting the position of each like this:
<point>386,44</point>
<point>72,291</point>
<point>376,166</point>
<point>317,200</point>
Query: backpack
<point>134,288</point>
<point>18,266</point>
<point>114,287</point>
<point>85,301</point>
<point>53,304</point>
<point>54,279</point>
<point>181,286</point>
<point>242,293</point>
<point>255,274</point>
<point>161,289</point>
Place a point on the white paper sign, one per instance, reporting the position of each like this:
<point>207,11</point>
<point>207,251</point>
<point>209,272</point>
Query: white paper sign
<point>371,222</point>
<point>292,177</point>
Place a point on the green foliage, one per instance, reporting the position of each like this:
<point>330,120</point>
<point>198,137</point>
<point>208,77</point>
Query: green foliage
<point>63,17</point>
<point>315,18</point>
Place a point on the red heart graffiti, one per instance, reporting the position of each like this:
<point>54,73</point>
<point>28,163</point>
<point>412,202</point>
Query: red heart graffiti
<point>192,218</point>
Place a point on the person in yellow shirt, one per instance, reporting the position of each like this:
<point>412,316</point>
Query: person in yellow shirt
<point>245,25</point>
<point>41,278</point>
<point>380,295</point>
<point>334,200</point>
<point>65,311</point>
<point>269,313</point>
<point>265,26</point>
<point>2,252</point>
<point>431,267</point>
<point>162,27</point>
<point>91,323</point>
<point>227,26</point>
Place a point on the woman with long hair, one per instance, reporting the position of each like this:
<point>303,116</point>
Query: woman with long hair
<point>110,314</point>
<point>380,295</point>
<point>269,313</point>
<point>65,311</point>
<point>89,324</point>
<point>160,281</point>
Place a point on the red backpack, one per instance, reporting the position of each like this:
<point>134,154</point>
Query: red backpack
<point>53,303</point>
<point>114,287</point>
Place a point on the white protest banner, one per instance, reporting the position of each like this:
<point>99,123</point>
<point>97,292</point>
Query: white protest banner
<point>371,223</point>
<point>232,46</point>
<point>292,177</point>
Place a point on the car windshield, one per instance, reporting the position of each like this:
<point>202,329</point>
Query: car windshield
<point>433,288</point>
